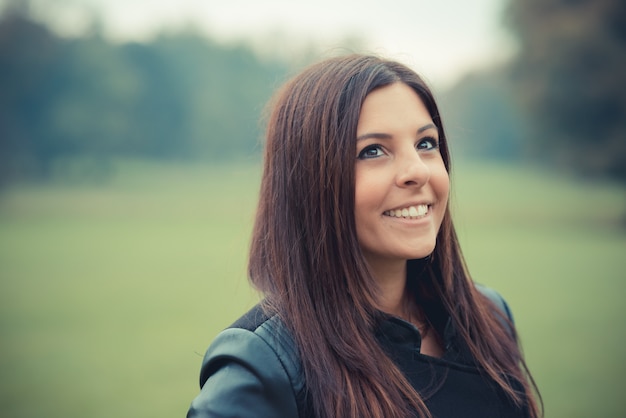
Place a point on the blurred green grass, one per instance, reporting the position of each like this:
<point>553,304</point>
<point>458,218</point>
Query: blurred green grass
<point>110,294</point>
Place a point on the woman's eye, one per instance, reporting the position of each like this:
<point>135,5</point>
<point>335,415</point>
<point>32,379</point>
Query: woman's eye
<point>427,144</point>
<point>371,151</point>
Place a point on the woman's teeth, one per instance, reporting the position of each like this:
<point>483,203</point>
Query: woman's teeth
<point>411,212</point>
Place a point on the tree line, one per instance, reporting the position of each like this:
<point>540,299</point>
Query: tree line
<point>560,101</point>
<point>178,96</point>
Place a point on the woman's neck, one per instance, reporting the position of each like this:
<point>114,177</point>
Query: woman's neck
<point>391,279</point>
<point>395,299</point>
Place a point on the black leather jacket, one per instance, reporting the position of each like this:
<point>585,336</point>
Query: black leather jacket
<point>252,369</point>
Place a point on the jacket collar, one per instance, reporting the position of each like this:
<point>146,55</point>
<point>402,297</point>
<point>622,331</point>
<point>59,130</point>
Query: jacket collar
<point>397,335</point>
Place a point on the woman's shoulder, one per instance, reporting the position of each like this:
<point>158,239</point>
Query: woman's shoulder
<point>252,362</point>
<point>496,299</point>
<point>252,338</point>
<point>502,310</point>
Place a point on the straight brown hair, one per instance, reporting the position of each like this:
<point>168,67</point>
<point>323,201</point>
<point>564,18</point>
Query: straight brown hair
<point>306,260</point>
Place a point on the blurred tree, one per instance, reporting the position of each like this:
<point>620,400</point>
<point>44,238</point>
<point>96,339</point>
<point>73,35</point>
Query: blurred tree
<point>224,87</point>
<point>93,112</point>
<point>158,117</point>
<point>481,116</point>
<point>30,57</point>
<point>570,77</point>
<point>85,98</point>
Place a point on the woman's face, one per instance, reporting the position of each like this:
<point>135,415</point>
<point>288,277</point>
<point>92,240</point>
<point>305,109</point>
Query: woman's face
<point>402,185</point>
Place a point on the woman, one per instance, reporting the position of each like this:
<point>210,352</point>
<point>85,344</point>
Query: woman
<point>368,308</point>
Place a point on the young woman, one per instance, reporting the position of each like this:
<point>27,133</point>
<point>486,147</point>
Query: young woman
<point>368,308</point>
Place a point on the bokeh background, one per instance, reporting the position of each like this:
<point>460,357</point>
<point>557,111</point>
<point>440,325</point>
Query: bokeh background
<point>130,141</point>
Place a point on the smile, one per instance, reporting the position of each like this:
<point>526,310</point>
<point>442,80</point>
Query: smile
<point>411,212</point>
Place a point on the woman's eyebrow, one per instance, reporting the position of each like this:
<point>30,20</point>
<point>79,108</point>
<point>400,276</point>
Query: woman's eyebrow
<point>379,135</point>
<point>375,135</point>
<point>427,127</point>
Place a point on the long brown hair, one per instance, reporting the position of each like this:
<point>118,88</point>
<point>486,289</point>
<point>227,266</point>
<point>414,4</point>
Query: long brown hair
<point>306,260</point>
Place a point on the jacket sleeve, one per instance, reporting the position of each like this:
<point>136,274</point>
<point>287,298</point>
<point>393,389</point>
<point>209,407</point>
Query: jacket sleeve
<point>243,376</point>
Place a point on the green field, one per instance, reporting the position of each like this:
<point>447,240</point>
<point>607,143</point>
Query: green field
<point>110,294</point>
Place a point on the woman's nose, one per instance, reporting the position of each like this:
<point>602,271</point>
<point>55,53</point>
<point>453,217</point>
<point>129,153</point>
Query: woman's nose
<point>412,170</point>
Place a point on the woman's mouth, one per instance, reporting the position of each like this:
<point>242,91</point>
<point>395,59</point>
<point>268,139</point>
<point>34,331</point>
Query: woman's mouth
<point>411,212</point>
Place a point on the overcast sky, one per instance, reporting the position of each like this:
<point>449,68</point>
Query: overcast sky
<point>442,39</point>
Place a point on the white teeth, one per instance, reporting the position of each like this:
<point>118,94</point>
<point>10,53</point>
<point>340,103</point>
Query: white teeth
<point>410,212</point>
